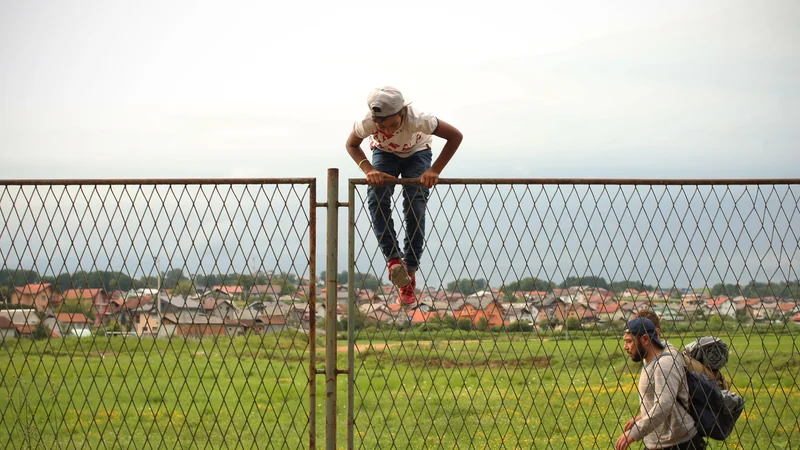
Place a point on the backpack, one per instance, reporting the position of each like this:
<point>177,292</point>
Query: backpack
<point>714,410</point>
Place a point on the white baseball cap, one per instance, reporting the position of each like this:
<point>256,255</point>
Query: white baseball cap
<point>386,101</point>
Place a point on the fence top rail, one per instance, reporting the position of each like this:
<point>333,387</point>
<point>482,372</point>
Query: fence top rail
<point>363,181</point>
<point>603,181</point>
<point>153,181</point>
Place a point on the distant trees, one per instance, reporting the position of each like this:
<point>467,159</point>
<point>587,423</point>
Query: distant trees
<point>619,286</point>
<point>467,286</point>
<point>185,288</point>
<point>591,281</point>
<point>362,280</point>
<point>755,289</point>
<point>178,279</point>
<point>528,284</point>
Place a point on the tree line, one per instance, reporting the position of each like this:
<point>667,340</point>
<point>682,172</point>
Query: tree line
<point>178,281</point>
<point>753,289</point>
<point>174,279</point>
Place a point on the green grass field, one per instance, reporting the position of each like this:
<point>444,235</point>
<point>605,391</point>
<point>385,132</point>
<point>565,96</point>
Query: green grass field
<point>483,391</point>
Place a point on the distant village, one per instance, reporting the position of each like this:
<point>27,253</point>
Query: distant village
<point>261,309</point>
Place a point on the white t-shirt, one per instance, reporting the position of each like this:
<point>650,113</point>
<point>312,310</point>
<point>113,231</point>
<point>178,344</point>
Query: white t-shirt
<point>413,135</point>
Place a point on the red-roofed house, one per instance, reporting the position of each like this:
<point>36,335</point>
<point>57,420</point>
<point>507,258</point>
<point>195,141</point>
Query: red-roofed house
<point>418,316</point>
<point>232,291</point>
<point>537,295</point>
<point>788,308</point>
<point>494,314</point>
<point>73,324</point>
<point>381,315</point>
<point>754,303</point>
<point>41,296</point>
<point>467,311</point>
<point>187,325</point>
<point>589,316</point>
<point>721,306</point>
<point>796,318</point>
<point>601,297</point>
<point>578,311</point>
<point>394,308</point>
<point>630,293</point>
<point>609,312</point>
<point>222,308</point>
<point>25,330</point>
<point>7,329</point>
<point>88,298</point>
<point>262,291</point>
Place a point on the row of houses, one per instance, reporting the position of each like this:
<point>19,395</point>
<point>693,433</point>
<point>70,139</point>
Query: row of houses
<point>166,316</point>
<point>587,305</point>
<point>144,312</point>
<point>43,296</point>
<point>23,323</point>
<point>153,313</point>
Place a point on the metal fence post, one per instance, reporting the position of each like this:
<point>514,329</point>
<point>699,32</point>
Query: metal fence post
<point>351,309</point>
<point>331,273</point>
<point>312,317</point>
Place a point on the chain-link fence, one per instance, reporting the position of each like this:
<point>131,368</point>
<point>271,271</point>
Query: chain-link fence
<point>524,287</point>
<point>183,313</point>
<point>157,314</point>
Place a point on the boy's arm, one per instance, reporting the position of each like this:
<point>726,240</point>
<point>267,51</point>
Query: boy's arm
<point>453,138</point>
<point>374,176</point>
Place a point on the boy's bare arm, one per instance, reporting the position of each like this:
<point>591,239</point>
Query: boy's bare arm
<point>354,149</point>
<point>453,138</point>
<point>374,176</point>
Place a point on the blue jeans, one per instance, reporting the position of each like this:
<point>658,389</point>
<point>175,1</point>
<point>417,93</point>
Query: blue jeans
<point>415,198</point>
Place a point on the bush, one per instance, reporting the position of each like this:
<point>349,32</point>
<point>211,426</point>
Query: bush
<point>482,325</point>
<point>465,324</point>
<point>715,323</point>
<point>114,326</point>
<point>41,331</point>
<point>518,326</point>
<point>573,324</point>
<point>430,327</point>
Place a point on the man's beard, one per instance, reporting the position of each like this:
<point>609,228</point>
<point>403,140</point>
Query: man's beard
<point>639,354</point>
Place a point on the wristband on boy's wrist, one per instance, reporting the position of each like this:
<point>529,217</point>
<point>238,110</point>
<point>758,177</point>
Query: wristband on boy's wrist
<point>362,162</point>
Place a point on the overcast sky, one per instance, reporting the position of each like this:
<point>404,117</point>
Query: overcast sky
<point>631,89</point>
<point>221,89</point>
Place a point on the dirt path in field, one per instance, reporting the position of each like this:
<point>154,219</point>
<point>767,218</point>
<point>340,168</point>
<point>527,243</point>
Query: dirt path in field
<point>364,347</point>
<point>360,348</point>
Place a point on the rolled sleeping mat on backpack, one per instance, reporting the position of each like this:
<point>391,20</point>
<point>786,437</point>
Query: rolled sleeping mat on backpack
<point>710,351</point>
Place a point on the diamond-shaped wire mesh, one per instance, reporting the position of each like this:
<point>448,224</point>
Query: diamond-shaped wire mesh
<point>523,293</point>
<point>155,315</point>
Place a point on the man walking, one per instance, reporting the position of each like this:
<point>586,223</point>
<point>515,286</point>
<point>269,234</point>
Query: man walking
<point>663,421</point>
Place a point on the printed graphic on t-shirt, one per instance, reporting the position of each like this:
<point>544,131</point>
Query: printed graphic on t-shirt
<point>412,136</point>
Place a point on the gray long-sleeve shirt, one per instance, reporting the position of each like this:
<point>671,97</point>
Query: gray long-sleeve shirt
<point>663,391</point>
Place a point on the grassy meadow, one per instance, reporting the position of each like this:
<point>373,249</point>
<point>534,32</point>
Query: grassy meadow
<point>467,390</point>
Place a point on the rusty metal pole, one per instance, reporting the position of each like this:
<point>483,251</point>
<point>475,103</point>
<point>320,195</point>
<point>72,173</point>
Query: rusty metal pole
<point>312,316</point>
<point>331,272</point>
<point>351,309</point>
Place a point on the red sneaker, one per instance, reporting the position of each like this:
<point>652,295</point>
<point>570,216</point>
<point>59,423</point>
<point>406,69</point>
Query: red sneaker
<point>408,293</point>
<point>398,274</point>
